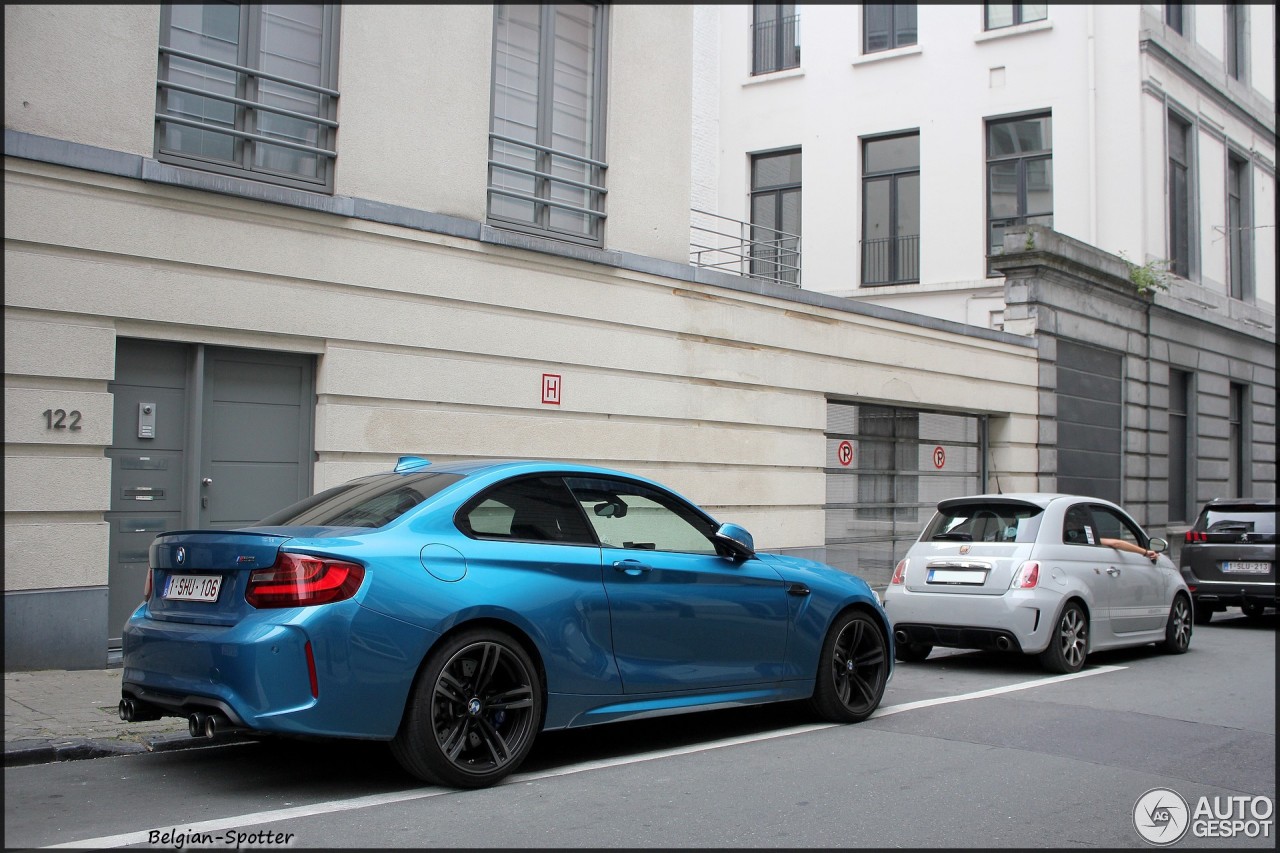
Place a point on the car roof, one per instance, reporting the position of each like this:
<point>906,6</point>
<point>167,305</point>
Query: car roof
<point>514,466</point>
<point>1261,503</point>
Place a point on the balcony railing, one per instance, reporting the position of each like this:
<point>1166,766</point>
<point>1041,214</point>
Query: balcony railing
<point>892,260</point>
<point>737,247</point>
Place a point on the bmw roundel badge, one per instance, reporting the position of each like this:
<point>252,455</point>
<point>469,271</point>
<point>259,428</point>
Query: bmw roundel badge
<point>181,556</point>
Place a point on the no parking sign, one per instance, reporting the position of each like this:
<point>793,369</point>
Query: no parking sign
<point>844,453</point>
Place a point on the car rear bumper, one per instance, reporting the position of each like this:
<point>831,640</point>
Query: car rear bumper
<point>1018,620</point>
<point>1227,594</point>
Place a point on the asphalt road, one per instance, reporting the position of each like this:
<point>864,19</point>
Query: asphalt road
<point>967,750</point>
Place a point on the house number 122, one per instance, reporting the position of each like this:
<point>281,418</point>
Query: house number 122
<point>62,419</point>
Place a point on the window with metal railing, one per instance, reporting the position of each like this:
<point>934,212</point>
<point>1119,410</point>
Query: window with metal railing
<point>891,209</point>
<point>775,216</point>
<point>775,37</point>
<point>547,130</point>
<point>249,90</point>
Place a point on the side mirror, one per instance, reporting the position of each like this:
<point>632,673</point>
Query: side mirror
<point>737,540</point>
<point>1159,545</point>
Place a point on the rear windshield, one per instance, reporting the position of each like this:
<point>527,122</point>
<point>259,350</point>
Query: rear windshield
<point>366,502</point>
<point>1239,520</point>
<point>984,522</point>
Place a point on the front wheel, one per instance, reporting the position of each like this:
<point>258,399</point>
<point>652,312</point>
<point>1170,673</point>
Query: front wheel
<point>1070,642</point>
<point>853,669</point>
<point>474,712</point>
<point>1177,631</point>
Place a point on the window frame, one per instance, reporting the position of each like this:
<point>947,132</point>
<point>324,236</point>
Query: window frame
<point>1181,438</point>
<point>1236,34</point>
<point>1175,18</point>
<point>773,259</point>
<point>1017,14</point>
<point>1181,214</point>
<point>1239,191</point>
<point>778,60</point>
<point>893,177</point>
<point>1022,159</point>
<point>897,38</point>
<point>595,163</point>
<point>244,132</point>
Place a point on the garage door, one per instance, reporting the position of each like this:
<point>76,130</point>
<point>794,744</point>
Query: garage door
<point>886,469</point>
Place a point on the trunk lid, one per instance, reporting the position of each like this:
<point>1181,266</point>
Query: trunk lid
<point>201,575</point>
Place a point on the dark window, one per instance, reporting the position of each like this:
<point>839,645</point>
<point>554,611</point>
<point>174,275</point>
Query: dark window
<point>888,25</point>
<point>632,515</point>
<point>891,209</point>
<point>1180,444</point>
<point>1237,455</point>
<point>1108,524</point>
<point>532,509</point>
<point>775,40</point>
<point>775,216</point>
<point>546,140</point>
<point>1237,46</point>
<point>1000,15</point>
<point>1180,212</point>
<point>366,502</point>
<point>995,521</point>
<point>1239,230</point>
<point>1019,175</point>
<point>249,90</point>
<point>1173,17</point>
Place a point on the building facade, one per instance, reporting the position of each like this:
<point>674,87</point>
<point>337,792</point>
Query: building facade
<point>1100,178</point>
<point>253,251</point>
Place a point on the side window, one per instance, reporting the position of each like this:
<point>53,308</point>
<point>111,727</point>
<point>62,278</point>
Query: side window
<point>1077,527</point>
<point>534,509</point>
<point>1109,525</point>
<point>631,515</point>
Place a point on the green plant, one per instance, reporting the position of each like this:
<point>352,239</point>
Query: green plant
<point>1153,275</point>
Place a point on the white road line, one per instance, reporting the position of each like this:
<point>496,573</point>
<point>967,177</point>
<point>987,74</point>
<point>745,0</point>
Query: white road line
<point>236,823</point>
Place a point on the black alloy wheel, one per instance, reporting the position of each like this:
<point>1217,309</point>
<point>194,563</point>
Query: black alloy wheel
<point>474,713</point>
<point>853,668</point>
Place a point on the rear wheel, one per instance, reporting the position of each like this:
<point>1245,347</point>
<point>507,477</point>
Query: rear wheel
<point>1177,631</point>
<point>1253,611</point>
<point>474,713</point>
<point>912,652</point>
<point>852,669</point>
<point>1070,642</point>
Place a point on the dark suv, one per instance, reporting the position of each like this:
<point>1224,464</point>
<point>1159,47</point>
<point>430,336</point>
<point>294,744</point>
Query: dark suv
<point>1229,557</point>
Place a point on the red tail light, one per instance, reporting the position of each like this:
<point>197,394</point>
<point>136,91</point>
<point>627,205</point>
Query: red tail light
<point>298,580</point>
<point>147,587</point>
<point>899,572</point>
<point>1027,577</point>
<point>1193,536</point>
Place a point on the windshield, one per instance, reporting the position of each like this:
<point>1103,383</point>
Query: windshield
<point>366,502</point>
<point>984,522</point>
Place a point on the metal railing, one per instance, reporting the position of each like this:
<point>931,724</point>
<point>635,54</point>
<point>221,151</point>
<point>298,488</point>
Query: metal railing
<point>737,247</point>
<point>891,260</point>
<point>546,184</point>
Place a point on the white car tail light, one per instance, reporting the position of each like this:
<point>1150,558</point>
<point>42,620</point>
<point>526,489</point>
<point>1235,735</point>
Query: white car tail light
<point>1027,577</point>
<point>899,572</point>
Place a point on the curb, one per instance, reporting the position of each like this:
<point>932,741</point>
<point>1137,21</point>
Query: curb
<point>27,753</point>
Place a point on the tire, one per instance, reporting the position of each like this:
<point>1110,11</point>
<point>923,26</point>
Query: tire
<point>1253,611</point>
<point>1069,645</point>
<point>475,710</point>
<point>1177,631</point>
<point>1203,614</point>
<point>912,652</point>
<point>853,669</point>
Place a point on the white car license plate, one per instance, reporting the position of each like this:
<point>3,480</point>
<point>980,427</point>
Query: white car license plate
<point>961,576</point>
<point>193,587</point>
<point>1246,568</point>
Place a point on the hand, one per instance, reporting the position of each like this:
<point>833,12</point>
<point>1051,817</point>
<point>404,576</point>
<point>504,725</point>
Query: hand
<point>1150,555</point>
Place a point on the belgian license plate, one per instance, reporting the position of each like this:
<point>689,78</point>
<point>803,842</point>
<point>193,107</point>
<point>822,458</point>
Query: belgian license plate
<point>193,587</point>
<point>1246,568</point>
<point>961,576</point>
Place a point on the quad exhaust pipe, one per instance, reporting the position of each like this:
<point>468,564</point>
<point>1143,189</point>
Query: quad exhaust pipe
<point>136,711</point>
<point>900,636</point>
<point>208,725</point>
<point>1003,644</point>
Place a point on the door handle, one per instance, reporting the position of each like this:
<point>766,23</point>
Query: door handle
<point>1114,572</point>
<point>635,568</point>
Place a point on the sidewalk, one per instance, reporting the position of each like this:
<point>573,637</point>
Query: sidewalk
<point>59,715</point>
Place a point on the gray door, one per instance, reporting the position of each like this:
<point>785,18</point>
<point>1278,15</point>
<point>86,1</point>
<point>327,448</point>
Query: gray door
<point>1090,399</point>
<point>204,437</point>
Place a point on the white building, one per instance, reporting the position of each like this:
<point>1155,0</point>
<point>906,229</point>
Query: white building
<point>253,251</point>
<point>914,156</point>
